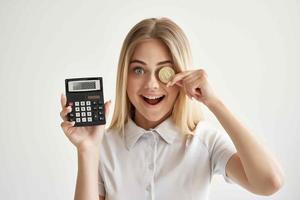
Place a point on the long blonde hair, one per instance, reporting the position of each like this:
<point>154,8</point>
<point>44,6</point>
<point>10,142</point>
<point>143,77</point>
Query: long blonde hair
<point>187,114</point>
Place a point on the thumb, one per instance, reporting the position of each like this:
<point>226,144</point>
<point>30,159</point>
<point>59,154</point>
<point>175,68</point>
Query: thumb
<point>107,107</point>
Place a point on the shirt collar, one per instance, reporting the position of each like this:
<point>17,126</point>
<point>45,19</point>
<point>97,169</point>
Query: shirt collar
<point>166,130</point>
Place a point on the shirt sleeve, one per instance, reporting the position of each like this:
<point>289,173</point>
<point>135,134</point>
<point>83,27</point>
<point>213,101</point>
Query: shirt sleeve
<point>220,149</point>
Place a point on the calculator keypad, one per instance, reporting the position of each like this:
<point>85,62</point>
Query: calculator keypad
<point>87,111</point>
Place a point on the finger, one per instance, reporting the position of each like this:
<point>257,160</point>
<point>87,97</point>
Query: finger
<point>198,92</point>
<point>66,125</point>
<point>198,74</point>
<point>192,79</point>
<point>107,107</point>
<point>179,84</point>
<point>178,77</point>
<point>188,95</point>
<point>203,73</point>
<point>194,83</point>
<point>198,96</point>
<point>187,83</point>
<point>63,100</point>
<point>184,87</point>
<point>64,112</point>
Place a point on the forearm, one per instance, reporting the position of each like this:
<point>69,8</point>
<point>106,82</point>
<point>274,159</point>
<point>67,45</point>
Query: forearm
<point>259,165</point>
<point>87,176</point>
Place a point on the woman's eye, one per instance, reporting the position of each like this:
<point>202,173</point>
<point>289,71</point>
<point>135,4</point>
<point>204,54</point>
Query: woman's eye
<point>138,70</point>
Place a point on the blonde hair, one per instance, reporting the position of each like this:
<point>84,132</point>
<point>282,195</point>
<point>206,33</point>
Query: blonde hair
<point>186,115</point>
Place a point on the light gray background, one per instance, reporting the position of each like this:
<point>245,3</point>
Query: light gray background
<point>249,48</point>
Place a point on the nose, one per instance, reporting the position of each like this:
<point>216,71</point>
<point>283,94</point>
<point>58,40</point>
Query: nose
<point>152,82</point>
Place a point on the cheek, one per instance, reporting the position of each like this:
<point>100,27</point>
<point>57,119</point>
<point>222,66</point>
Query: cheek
<point>173,92</point>
<point>132,87</point>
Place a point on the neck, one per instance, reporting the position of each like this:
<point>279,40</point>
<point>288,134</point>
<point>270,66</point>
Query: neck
<point>146,124</point>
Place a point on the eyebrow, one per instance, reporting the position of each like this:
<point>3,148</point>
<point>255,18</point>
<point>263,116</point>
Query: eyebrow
<point>141,62</point>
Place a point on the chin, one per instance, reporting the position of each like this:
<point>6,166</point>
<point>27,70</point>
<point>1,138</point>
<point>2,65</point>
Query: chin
<point>154,116</point>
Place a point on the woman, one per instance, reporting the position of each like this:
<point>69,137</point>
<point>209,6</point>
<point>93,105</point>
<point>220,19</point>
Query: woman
<point>157,145</point>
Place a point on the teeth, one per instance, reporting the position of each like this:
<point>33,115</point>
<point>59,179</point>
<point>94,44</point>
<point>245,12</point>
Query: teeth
<point>153,97</point>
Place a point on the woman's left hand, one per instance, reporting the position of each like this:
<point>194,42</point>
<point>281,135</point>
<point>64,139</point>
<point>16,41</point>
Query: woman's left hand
<point>195,84</point>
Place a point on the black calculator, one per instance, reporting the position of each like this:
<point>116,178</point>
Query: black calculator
<point>85,95</point>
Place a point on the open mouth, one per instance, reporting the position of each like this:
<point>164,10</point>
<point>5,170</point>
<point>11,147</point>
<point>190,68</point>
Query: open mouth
<point>153,100</point>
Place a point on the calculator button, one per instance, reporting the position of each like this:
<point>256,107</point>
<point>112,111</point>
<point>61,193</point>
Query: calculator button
<point>89,119</point>
<point>88,108</point>
<point>70,103</point>
<point>94,103</point>
<point>77,114</point>
<point>94,108</point>
<point>82,108</point>
<point>82,103</point>
<point>88,103</point>
<point>77,119</point>
<point>71,115</point>
<point>83,119</point>
<point>76,103</point>
<point>101,118</point>
<point>100,107</point>
<point>77,109</point>
<point>100,112</point>
<point>89,113</point>
<point>83,114</point>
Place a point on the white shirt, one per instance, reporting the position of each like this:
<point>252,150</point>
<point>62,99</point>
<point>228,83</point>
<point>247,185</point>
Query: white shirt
<point>162,163</point>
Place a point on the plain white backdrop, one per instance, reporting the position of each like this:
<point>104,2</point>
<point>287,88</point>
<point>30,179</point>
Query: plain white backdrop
<point>250,50</point>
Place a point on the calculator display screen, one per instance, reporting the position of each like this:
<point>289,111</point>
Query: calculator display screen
<point>86,85</point>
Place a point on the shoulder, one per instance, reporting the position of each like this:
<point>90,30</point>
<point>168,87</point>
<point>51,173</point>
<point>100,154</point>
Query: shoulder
<point>112,135</point>
<point>208,134</point>
<point>111,146</point>
<point>109,132</point>
<point>205,131</point>
<point>111,138</point>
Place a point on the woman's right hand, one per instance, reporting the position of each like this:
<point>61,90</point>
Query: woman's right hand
<point>84,138</point>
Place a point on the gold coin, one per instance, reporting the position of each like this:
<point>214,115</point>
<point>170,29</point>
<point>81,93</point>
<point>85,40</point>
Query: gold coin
<point>166,74</point>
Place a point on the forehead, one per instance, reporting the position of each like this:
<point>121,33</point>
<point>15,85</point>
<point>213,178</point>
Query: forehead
<point>151,51</point>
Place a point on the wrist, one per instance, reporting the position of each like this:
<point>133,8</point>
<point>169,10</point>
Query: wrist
<point>91,150</point>
<point>88,159</point>
<point>214,104</point>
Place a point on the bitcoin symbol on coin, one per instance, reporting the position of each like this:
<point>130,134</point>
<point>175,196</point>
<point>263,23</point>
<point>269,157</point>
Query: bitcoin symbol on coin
<point>166,74</point>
